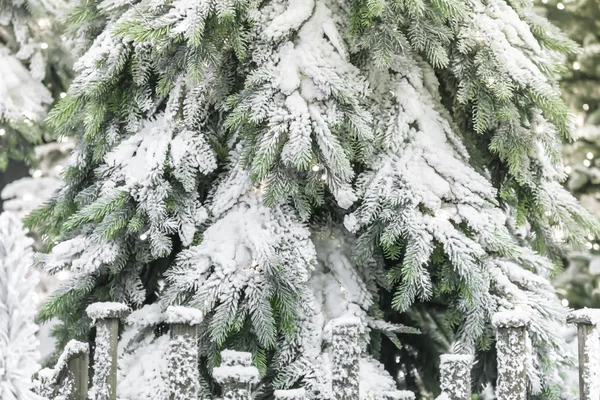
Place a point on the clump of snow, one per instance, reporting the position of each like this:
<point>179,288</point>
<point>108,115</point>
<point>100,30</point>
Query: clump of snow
<point>231,357</point>
<point>349,322</point>
<point>142,369</point>
<point>73,349</point>
<point>375,382</point>
<point>511,319</point>
<point>291,394</point>
<point>588,316</point>
<point>399,395</point>
<point>105,310</point>
<point>455,358</point>
<point>149,315</point>
<point>183,315</point>
<point>236,371</point>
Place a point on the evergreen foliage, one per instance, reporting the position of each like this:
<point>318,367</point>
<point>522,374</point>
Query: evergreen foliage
<point>280,164</point>
<point>35,70</point>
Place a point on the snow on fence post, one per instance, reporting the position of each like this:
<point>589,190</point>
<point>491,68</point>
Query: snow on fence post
<point>183,375</point>
<point>511,347</point>
<point>455,375</point>
<point>105,316</point>
<point>69,378</point>
<point>397,395</point>
<point>78,368</point>
<point>236,375</point>
<point>345,358</point>
<point>588,337</point>
<point>291,394</point>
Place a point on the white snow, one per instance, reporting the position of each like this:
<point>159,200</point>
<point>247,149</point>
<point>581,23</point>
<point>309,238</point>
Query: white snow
<point>456,358</point>
<point>511,319</point>
<point>235,369</point>
<point>232,357</point>
<point>105,310</point>
<point>72,349</point>
<point>183,315</point>
<point>19,354</point>
<point>290,394</point>
<point>149,315</point>
<point>589,316</point>
<point>142,369</point>
<point>21,96</point>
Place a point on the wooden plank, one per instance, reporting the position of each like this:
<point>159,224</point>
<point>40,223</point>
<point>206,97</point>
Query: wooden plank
<point>236,375</point>
<point>184,376</point>
<point>588,344</point>
<point>512,356</point>
<point>345,358</point>
<point>105,359</point>
<point>78,367</point>
<point>455,376</point>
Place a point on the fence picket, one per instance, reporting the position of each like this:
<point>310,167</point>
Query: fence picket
<point>69,379</point>
<point>588,337</point>
<point>455,375</point>
<point>345,358</point>
<point>184,377</point>
<point>236,375</point>
<point>511,347</point>
<point>105,316</point>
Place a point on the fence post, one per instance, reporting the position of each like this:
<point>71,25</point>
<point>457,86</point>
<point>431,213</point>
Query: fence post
<point>184,376</point>
<point>291,394</point>
<point>105,316</point>
<point>588,338</point>
<point>455,375</point>
<point>236,375</point>
<point>78,367</point>
<point>69,378</point>
<point>345,358</point>
<point>511,348</point>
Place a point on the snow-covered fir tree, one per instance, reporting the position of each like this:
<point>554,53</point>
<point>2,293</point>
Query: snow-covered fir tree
<point>19,355</point>
<point>35,70</point>
<point>281,164</point>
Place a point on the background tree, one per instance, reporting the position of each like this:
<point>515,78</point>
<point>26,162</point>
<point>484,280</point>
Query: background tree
<point>19,355</point>
<point>282,164</point>
<point>580,85</point>
<point>35,70</point>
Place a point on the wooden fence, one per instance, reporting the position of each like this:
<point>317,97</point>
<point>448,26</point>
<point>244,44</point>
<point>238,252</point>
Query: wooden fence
<point>69,379</point>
